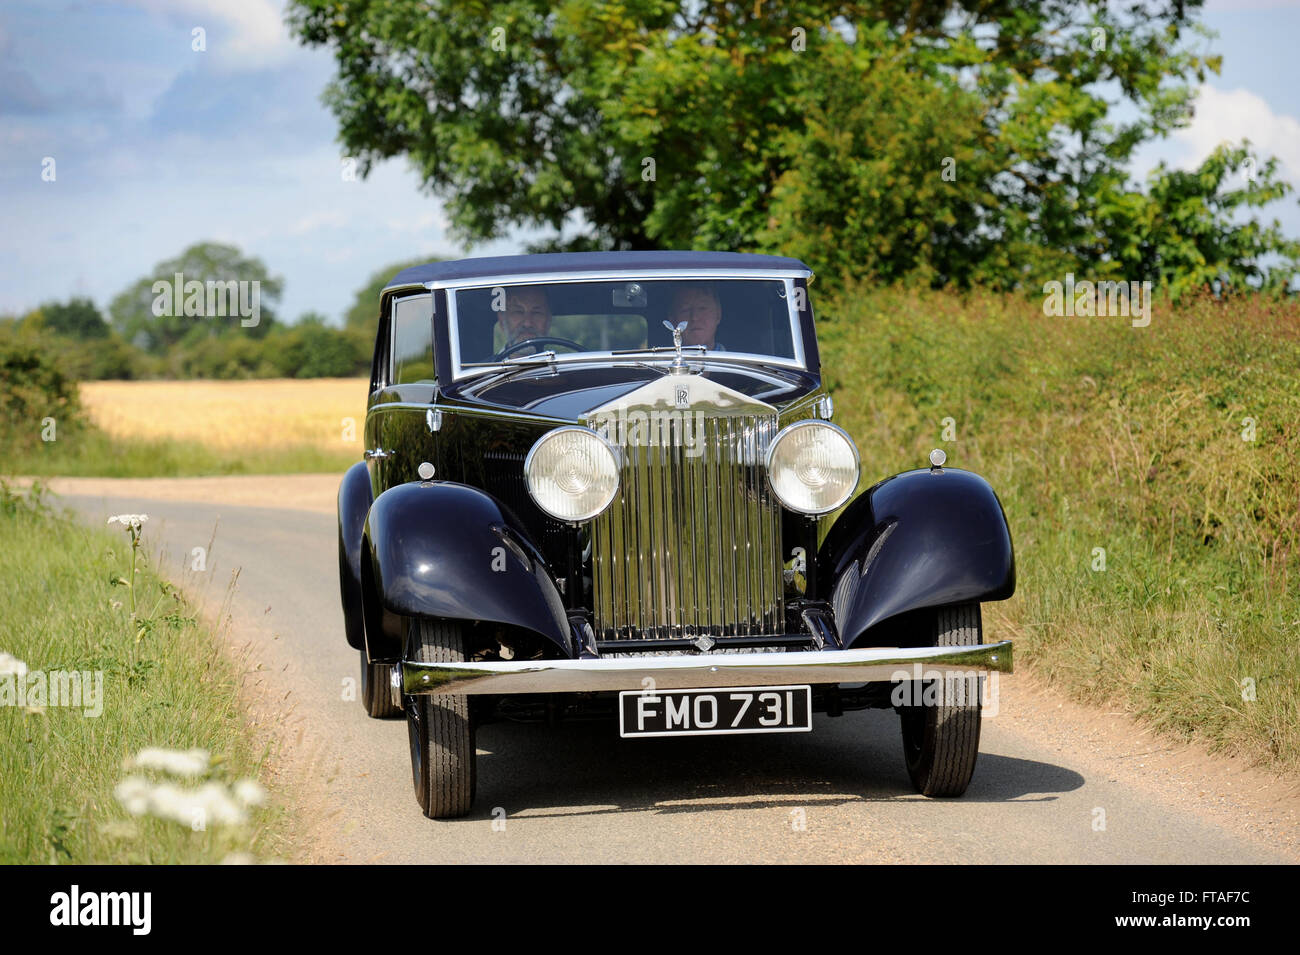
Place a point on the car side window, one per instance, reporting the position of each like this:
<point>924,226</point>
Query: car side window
<point>413,341</point>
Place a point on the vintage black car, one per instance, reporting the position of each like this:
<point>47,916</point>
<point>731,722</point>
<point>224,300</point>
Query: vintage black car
<point>609,482</point>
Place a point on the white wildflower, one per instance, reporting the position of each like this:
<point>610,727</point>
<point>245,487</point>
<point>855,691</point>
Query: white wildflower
<point>133,793</point>
<point>133,521</point>
<point>10,665</point>
<point>249,792</point>
<point>187,763</point>
<point>210,802</point>
<point>219,806</point>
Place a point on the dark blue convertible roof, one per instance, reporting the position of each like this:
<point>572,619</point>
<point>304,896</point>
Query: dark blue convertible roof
<point>588,262</point>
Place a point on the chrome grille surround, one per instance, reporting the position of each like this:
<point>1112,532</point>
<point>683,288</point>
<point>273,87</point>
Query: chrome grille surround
<point>692,543</point>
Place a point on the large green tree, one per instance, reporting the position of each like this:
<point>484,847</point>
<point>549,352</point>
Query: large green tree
<point>77,318</point>
<point>152,317</point>
<point>75,331</point>
<point>967,141</point>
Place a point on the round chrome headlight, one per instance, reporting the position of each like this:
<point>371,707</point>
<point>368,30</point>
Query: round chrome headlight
<point>572,473</point>
<point>813,466</point>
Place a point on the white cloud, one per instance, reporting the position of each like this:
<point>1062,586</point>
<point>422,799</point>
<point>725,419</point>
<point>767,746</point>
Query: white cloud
<point>1234,115</point>
<point>258,35</point>
<point>315,221</point>
<point>423,223</point>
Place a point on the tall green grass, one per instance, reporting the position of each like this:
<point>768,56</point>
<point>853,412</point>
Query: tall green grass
<point>1097,434</point>
<point>166,684</point>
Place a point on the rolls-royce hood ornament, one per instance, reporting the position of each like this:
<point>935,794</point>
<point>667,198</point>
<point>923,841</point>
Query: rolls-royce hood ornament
<point>679,364</point>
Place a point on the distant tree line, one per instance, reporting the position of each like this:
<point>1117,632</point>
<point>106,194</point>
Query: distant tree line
<point>148,331</point>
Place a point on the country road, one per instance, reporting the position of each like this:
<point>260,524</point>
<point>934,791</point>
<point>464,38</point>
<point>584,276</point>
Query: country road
<point>1048,769</point>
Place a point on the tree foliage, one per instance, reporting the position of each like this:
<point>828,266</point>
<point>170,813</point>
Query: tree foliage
<point>135,317</point>
<point>82,342</point>
<point>313,349</point>
<point>34,388</point>
<point>76,318</point>
<point>959,142</point>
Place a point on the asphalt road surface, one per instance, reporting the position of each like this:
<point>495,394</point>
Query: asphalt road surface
<point>578,793</point>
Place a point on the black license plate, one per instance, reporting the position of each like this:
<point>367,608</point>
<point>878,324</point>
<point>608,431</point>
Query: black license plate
<point>739,709</point>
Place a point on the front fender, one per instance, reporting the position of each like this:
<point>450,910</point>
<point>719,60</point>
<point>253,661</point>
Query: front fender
<point>354,502</point>
<point>924,538</point>
<point>441,549</point>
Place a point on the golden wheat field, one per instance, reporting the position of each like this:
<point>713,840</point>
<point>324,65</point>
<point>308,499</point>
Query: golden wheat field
<point>324,413</point>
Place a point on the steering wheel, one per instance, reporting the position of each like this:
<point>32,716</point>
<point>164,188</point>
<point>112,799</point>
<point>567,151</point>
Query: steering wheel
<point>546,340</point>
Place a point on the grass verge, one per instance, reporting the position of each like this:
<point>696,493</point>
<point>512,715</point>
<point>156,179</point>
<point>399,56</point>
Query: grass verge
<point>165,683</point>
<point>1151,478</point>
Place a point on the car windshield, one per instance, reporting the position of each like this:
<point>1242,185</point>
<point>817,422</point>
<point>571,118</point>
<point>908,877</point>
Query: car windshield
<point>746,319</point>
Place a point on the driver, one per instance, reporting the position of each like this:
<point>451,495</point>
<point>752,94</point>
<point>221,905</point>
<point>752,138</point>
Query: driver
<point>697,304</point>
<point>527,315</point>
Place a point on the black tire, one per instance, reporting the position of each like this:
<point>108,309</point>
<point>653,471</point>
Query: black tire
<point>441,731</point>
<point>376,694</point>
<point>941,741</point>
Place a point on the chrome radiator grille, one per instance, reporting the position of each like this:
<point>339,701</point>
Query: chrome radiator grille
<point>692,544</point>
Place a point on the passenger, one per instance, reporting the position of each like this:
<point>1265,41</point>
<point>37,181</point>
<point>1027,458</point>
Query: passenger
<point>698,305</point>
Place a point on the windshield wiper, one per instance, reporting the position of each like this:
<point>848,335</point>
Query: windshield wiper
<point>508,366</point>
<point>657,349</point>
<point>706,354</point>
<point>543,356</point>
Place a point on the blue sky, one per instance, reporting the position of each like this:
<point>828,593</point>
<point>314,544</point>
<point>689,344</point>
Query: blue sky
<point>158,146</point>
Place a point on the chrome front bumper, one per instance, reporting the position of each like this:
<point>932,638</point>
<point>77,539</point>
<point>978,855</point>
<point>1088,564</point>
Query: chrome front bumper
<point>702,671</point>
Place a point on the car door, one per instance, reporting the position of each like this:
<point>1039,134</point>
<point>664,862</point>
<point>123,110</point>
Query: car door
<point>400,431</point>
